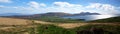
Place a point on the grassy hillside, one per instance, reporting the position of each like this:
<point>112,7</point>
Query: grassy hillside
<point>52,29</point>
<point>13,21</point>
<point>108,20</point>
<point>88,29</point>
<point>57,19</point>
<point>98,29</point>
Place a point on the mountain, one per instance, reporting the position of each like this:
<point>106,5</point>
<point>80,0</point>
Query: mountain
<point>56,14</point>
<point>108,20</point>
<point>61,14</point>
<point>49,14</point>
<point>53,14</point>
<point>86,13</point>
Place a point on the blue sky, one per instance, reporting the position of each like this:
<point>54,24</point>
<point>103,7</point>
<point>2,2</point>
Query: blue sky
<point>67,6</point>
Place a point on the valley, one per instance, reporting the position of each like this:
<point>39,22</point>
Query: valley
<point>24,26</point>
<point>59,16</point>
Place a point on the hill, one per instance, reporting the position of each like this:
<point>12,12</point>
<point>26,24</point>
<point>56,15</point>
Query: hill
<point>13,21</point>
<point>108,20</point>
<point>57,19</point>
<point>86,13</point>
<point>54,14</point>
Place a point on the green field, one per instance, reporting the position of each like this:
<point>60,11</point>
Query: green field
<point>58,19</point>
<point>51,29</point>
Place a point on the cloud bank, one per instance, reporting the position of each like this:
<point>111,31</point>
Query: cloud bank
<point>35,7</point>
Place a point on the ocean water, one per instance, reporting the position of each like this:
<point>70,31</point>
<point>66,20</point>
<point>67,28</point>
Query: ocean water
<point>90,17</point>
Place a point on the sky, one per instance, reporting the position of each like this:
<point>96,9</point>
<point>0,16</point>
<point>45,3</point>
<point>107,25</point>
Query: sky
<point>111,7</point>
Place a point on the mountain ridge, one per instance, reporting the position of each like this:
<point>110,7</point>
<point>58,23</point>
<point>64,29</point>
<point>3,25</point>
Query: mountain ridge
<point>53,14</point>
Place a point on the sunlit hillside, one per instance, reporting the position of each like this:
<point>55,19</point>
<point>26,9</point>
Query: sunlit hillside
<point>13,21</point>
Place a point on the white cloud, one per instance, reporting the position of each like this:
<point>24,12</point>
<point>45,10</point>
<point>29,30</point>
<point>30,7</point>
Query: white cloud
<point>77,8</point>
<point>5,1</point>
<point>2,6</point>
<point>108,7</point>
<point>64,4</point>
<point>42,4</point>
<point>34,4</point>
<point>66,7</point>
<point>104,8</point>
<point>94,5</point>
